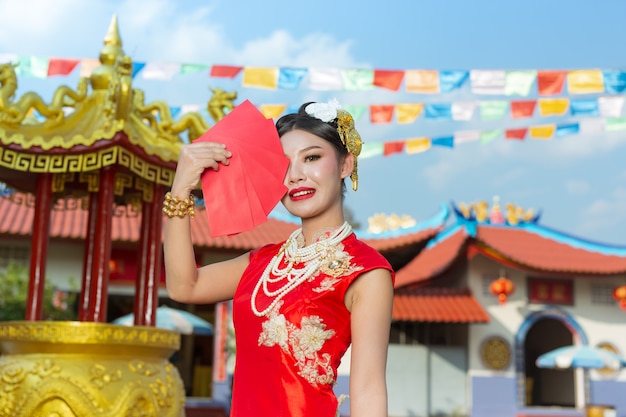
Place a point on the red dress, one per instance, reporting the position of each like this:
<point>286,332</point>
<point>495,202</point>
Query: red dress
<point>287,360</point>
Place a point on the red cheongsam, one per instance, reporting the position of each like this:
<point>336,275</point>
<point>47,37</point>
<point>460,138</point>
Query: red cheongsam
<point>286,362</point>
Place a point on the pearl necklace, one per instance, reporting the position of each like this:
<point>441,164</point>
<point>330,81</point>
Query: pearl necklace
<point>294,252</point>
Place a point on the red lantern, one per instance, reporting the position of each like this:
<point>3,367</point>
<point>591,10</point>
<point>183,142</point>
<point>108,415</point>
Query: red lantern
<point>620,295</point>
<point>502,287</point>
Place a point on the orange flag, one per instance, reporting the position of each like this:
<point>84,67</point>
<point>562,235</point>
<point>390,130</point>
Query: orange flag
<point>518,134</point>
<point>388,79</point>
<point>227,71</point>
<point>381,113</point>
<point>550,82</point>
<point>422,81</point>
<point>393,147</point>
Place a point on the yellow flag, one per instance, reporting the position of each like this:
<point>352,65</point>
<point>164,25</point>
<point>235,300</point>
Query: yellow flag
<point>541,132</point>
<point>260,77</point>
<point>553,106</point>
<point>417,145</point>
<point>422,81</point>
<point>272,111</point>
<point>407,113</point>
<point>585,82</point>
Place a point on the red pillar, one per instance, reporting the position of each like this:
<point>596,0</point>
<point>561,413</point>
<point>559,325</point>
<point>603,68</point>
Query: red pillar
<point>85,288</point>
<point>150,260</point>
<point>39,247</point>
<point>99,291</point>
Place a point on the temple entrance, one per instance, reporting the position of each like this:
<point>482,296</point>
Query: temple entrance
<point>548,387</point>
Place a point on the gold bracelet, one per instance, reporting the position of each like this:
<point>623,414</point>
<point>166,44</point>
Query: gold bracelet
<point>174,206</point>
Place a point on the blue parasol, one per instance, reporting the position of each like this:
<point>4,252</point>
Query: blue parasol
<point>580,356</point>
<point>173,319</point>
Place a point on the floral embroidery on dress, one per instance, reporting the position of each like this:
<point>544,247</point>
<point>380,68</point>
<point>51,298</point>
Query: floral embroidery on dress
<point>303,343</point>
<point>337,263</point>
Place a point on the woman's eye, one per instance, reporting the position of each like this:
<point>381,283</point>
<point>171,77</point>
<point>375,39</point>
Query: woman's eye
<point>310,158</point>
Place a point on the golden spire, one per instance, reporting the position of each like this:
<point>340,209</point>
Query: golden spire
<point>113,37</point>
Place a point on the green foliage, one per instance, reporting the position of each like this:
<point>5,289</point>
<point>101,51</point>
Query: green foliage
<point>57,305</point>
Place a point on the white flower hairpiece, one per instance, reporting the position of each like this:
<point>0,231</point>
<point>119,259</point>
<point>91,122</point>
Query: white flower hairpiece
<point>326,112</point>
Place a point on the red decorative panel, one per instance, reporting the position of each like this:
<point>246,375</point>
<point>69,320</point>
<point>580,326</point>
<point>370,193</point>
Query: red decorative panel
<point>550,291</point>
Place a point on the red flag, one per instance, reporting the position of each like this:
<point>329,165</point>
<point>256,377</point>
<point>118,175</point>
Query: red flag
<point>58,66</point>
<point>388,79</point>
<point>381,113</point>
<point>226,71</point>
<point>523,108</point>
<point>393,147</point>
<point>518,134</point>
<point>550,82</point>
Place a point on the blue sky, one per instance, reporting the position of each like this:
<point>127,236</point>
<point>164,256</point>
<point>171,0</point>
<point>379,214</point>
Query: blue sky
<point>577,182</point>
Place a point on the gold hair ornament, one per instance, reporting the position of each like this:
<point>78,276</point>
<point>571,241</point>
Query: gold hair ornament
<point>177,207</point>
<point>327,112</point>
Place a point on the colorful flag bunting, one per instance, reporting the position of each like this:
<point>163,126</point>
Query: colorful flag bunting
<point>389,79</point>
<point>465,136</point>
<point>611,106</point>
<point>272,111</point>
<point>257,77</point>
<point>407,113</point>
<point>517,134</point>
<point>393,147</point>
<point>422,81</point>
<point>417,145</point>
<point>357,79</point>
<point>488,82</point>
<point>493,109</point>
<point>519,83</point>
<point>523,108</point>
<point>566,130</point>
<point>591,126</point>
<point>87,66</point>
<point>452,80</point>
<point>489,135</point>
<point>325,79</point>
<point>290,78</point>
<point>225,71</point>
<point>614,81</point>
<point>553,106</point>
<point>541,132</point>
<point>33,66</point>
<point>381,113</point>
<point>584,107</point>
<point>137,67</point>
<point>615,123</point>
<point>464,110</point>
<point>371,149</point>
<point>585,82</point>
<point>357,110</point>
<point>438,111</point>
<point>160,70</point>
<point>193,68</point>
<point>550,83</point>
<point>446,141</point>
<point>58,66</point>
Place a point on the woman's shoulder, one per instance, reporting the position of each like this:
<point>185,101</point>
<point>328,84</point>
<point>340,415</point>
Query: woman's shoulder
<point>364,253</point>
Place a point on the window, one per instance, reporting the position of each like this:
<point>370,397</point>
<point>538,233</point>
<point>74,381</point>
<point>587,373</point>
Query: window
<point>13,253</point>
<point>602,294</point>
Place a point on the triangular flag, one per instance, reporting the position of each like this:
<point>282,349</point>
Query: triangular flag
<point>33,66</point>
<point>389,79</point>
<point>381,113</point>
<point>325,79</point>
<point>487,82</point>
<point>407,113</point>
<point>357,79</point>
<point>517,134</point>
<point>519,83</point>
<point>225,71</point>
<point>272,111</point>
<point>585,82</point>
<point>550,83</point>
<point>417,145</point>
<point>422,81</point>
<point>186,69</point>
<point>256,77</point>
<point>290,78</point>
<point>523,108</point>
<point>553,106</point>
<point>58,66</point>
<point>137,67</point>
<point>541,132</point>
<point>445,141</point>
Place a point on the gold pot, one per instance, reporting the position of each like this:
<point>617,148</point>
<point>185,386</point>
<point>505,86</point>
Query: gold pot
<point>80,369</point>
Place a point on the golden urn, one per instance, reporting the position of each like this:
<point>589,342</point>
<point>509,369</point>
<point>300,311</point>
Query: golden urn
<point>80,369</point>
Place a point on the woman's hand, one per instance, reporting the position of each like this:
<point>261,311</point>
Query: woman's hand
<point>193,159</point>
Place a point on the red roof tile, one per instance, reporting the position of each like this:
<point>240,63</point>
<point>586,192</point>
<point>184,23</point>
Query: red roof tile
<point>441,305</point>
<point>542,253</point>
<point>431,261</point>
<point>16,219</point>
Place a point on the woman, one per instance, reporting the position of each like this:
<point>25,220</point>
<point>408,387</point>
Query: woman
<point>297,305</point>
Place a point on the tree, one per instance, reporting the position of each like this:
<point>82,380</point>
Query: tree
<point>57,304</point>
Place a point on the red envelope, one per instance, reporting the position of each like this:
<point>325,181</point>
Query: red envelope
<point>239,196</point>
